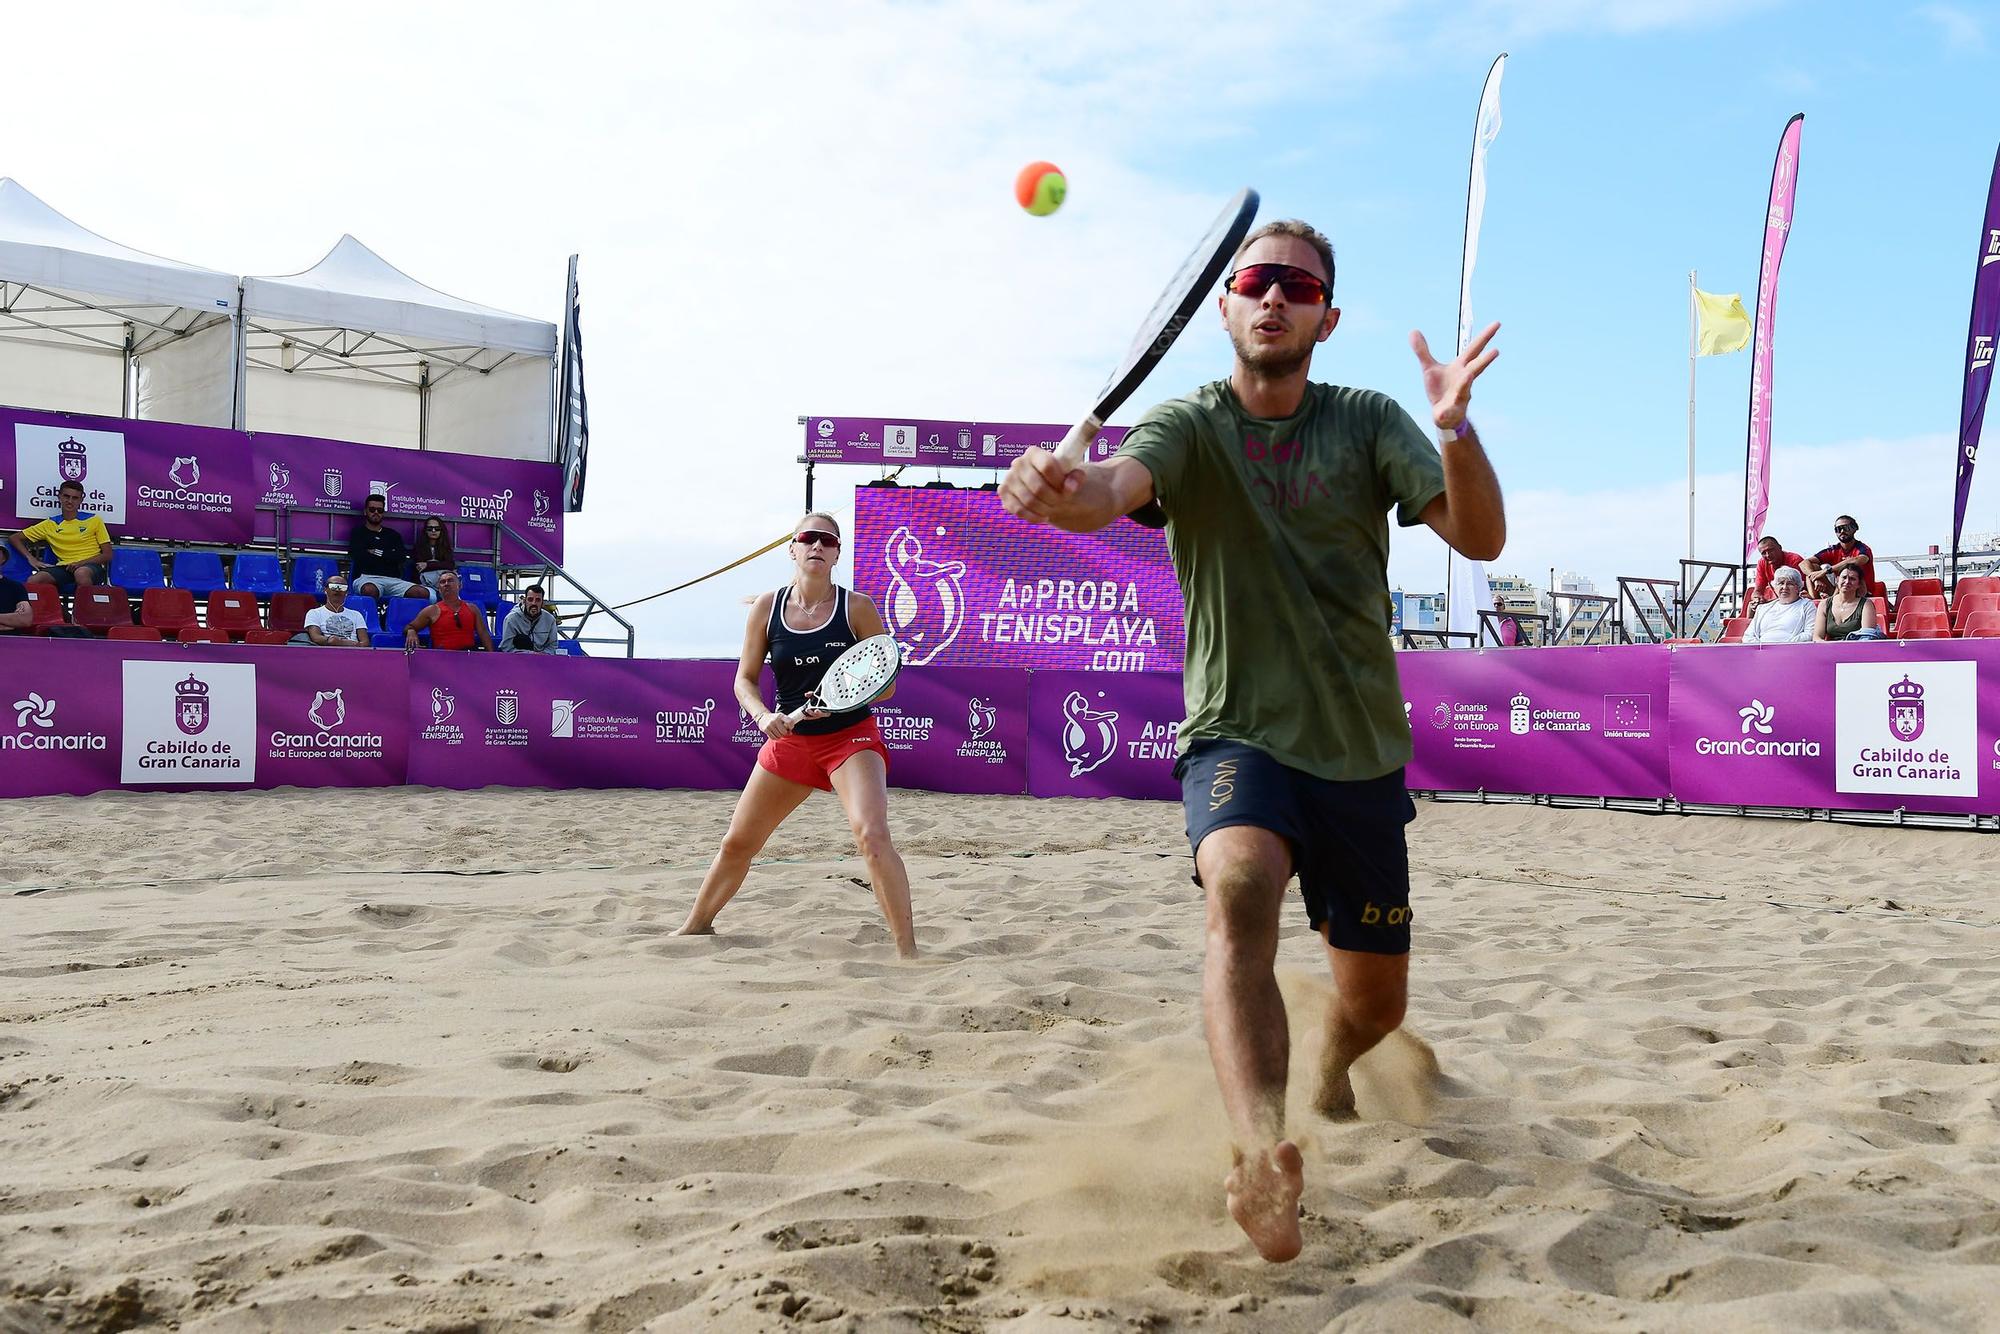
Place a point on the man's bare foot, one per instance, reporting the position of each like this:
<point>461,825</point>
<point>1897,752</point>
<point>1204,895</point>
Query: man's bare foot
<point>1264,1192</point>
<point>1335,1098</point>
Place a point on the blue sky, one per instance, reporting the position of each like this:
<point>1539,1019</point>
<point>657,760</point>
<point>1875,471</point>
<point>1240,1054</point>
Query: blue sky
<point>807,209</point>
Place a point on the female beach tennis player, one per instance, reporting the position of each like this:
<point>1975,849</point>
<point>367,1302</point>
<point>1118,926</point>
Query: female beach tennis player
<point>802,627</point>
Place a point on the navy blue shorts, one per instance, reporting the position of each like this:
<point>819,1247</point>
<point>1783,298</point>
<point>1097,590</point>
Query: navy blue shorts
<point>1346,838</point>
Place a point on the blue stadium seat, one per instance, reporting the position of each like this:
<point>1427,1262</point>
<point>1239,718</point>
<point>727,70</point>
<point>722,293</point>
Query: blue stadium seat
<point>401,611</point>
<point>569,648</point>
<point>199,572</point>
<point>500,611</point>
<point>135,571</point>
<point>257,572</point>
<point>365,607</point>
<point>479,585</point>
<point>17,567</point>
<point>310,573</point>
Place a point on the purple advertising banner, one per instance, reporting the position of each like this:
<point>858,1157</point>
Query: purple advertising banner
<point>962,584</point>
<point>1570,721</point>
<point>332,474</point>
<point>524,720</point>
<point>957,731</point>
<point>1096,735</point>
<point>938,444</point>
<point>87,716</point>
<point>1839,726</point>
<point>150,479</point>
<point>173,483</point>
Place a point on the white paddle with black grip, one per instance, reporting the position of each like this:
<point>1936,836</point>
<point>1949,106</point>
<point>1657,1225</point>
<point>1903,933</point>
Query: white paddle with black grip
<point>1163,324</point>
<point>859,676</point>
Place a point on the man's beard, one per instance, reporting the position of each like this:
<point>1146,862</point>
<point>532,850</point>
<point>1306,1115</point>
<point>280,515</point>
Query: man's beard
<point>1270,361</point>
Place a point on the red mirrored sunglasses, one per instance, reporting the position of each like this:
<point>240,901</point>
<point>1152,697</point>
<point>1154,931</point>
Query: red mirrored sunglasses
<point>813,537</point>
<point>1299,286</point>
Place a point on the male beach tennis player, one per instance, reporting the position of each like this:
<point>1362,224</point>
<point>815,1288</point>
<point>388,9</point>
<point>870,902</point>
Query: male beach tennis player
<point>1276,491</point>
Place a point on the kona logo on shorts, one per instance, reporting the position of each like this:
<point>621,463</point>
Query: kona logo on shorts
<point>1222,788</point>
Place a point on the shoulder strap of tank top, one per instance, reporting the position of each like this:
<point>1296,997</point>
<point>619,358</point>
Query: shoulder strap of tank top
<point>776,618</point>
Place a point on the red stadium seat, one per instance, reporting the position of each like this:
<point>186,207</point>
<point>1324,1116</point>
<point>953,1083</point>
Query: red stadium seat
<point>167,610</point>
<point>1733,628</point>
<point>47,603</point>
<point>1877,589</point>
<point>1973,603</point>
<point>268,636</point>
<point>1917,588</point>
<point>1980,625</point>
<point>288,612</point>
<point>233,611</point>
<point>1921,604</point>
<point>150,633</point>
<point>1975,583</point>
<point>204,635</point>
<point>1881,612</point>
<point>1683,641</point>
<point>101,606</point>
<point>1923,625</point>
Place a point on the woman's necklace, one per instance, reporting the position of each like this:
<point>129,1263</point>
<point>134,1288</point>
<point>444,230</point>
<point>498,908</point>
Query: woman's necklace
<point>805,608</point>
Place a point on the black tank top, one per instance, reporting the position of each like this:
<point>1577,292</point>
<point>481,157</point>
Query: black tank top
<point>799,658</point>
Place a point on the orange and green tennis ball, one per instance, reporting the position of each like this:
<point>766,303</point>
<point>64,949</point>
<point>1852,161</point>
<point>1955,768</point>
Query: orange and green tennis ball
<point>1040,188</point>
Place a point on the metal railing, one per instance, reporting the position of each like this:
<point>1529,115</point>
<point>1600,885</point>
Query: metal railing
<point>579,610</point>
<point>1640,596</point>
<point>1534,629</point>
<point>320,538</point>
<point>1706,605</point>
<point>1571,608</point>
<point>1438,639</point>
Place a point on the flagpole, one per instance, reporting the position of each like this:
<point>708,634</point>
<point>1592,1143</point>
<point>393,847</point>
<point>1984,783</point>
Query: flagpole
<point>1691,356</point>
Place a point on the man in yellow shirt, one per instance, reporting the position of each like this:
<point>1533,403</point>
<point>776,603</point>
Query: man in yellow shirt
<point>80,543</point>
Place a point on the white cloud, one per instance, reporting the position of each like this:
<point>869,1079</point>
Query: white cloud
<point>1964,33</point>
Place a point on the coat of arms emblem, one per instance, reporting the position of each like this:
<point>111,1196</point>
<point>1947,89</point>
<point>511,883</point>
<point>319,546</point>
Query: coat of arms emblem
<point>1906,709</point>
<point>191,705</point>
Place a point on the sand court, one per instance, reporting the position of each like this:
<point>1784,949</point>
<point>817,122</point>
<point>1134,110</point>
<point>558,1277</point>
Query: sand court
<point>442,1067</point>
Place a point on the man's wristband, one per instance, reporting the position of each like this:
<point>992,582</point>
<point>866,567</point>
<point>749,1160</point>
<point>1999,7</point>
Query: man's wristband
<point>1447,434</point>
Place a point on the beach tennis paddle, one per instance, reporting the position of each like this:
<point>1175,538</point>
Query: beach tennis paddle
<point>859,676</point>
<point>1163,324</point>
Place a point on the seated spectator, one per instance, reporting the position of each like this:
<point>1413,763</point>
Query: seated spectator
<point>1788,619</point>
<point>433,555</point>
<point>1505,627</point>
<point>1849,613</point>
<point>79,542</point>
<point>529,628</point>
<point>336,625</point>
<point>377,555</point>
<point>1771,557</point>
<point>1847,552</point>
<point>17,614</point>
<point>454,623</point>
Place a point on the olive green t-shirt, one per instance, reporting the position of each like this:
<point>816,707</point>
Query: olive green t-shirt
<point>1279,533</point>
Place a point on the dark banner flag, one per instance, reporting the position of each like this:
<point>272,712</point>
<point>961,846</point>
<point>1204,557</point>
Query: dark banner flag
<point>1979,339</point>
<point>574,438</point>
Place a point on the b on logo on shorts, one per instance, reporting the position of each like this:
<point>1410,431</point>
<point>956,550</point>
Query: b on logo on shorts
<point>1373,915</point>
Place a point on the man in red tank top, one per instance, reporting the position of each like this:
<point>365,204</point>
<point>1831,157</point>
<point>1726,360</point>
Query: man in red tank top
<point>454,623</point>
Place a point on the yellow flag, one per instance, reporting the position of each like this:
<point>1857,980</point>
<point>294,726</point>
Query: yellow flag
<point>1724,325</point>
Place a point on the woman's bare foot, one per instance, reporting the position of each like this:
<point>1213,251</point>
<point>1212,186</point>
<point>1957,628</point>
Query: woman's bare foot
<point>1264,1192</point>
<point>690,929</point>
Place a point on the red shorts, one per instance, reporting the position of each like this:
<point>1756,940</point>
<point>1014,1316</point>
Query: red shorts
<point>811,760</point>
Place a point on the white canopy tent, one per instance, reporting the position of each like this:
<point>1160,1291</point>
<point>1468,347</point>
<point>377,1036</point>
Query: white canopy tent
<point>356,349</point>
<point>89,325</point>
